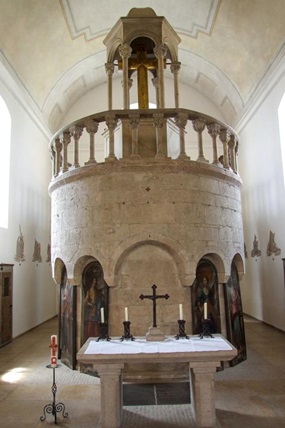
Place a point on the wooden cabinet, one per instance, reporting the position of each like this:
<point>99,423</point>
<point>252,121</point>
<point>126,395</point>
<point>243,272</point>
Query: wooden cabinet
<point>6,303</point>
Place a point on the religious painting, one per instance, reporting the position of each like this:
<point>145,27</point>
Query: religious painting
<point>234,316</point>
<point>95,296</point>
<point>67,324</point>
<point>205,290</point>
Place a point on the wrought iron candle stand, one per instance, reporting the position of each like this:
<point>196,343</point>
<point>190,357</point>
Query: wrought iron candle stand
<point>205,329</point>
<point>127,331</point>
<point>54,408</point>
<point>103,331</point>
<point>181,330</point>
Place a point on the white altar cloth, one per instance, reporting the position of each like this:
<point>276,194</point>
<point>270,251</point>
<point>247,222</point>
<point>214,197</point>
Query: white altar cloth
<point>169,345</point>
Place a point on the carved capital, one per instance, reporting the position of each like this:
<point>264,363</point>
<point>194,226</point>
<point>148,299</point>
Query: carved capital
<point>158,120</point>
<point>232,141</point>
<point>213,129</point>
<point>109,67</point>
<point>134,120</point>
<point>125,50</point>
<point>225,135</point>
<point>175,67</point>
<point>111,121</point>
<point>91,126</point>
<point>160,51</point>
<point>57,145</point>
<point>199,124</point>
<point>65,137</point>
<point>76,131</point>
<point>181,120</point>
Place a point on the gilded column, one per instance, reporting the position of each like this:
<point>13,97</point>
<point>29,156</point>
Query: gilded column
<point>76,132</point>
<point>160,53</point>
<point>175,67</point>
<point>199,126</point>
<point>225,137</point>
<point>91,128</point>
<point>181,121</point>
<point>111,122</point>
<point>109,67</point>
<point>125,52</point>
<point>214,130</point>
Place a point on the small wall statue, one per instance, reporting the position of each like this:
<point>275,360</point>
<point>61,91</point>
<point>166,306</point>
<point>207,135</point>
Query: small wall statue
<point>271,246</point>
<point>20,256</point>
<point>255,252</point>
<point>37,252</point>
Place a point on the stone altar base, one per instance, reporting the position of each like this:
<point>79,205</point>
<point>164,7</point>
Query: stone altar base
<point>155,334</point>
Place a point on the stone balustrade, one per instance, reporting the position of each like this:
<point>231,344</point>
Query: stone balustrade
<point>195,133</point>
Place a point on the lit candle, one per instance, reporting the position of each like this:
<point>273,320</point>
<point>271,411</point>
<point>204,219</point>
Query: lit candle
<point>180,311</point>
<point>53,350</point>
<point>102,315</point>
<point>126,314</point>
<point>205,311</point>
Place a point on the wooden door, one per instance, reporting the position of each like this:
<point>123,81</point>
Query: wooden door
<point>6,308</point>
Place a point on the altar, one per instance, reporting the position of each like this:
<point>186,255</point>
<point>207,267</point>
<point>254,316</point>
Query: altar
<point>203,356</point>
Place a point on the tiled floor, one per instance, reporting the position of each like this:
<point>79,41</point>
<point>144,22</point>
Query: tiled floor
<point>247,396</point>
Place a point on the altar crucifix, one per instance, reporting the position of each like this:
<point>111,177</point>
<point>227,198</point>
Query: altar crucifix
<point>142,64</point>
<point>154,332</point>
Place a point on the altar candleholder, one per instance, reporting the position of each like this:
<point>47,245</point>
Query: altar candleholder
<point>205,329</point>
<point>181,330</point>
<point>103,331</point>
<point>127,331</point>
<point>53,408</point>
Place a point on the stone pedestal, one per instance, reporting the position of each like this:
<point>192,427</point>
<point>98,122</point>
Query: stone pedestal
<point>155,334</point>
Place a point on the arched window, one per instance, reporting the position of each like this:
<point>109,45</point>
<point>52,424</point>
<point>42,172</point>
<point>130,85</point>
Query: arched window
<point>5,142</point>
<point>281,117</point>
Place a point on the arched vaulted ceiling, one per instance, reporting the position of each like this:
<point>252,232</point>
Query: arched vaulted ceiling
<point>54,51</point>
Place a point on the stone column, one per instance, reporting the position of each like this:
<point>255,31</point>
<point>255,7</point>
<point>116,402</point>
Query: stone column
<point>199,126</point>
<point>222,309</point>
<point>134,123</point>
<point>202,392</point>
<point>175,67</point>
<point>160,52</point>
<point>111,122</point>
<point>91,128</point>
<point>109,67</point>
<point>125,52</point>
<point>225,137</point>
<point>76,132</point>
<point>214,130</point>
<point>158,121</point>
<point>57,148</point>
<point>65,142</point>
<point>181,121</point>
<point>155,84</point>
<point>53,160</point>
<point>111,394</point>
<point>232,160</point>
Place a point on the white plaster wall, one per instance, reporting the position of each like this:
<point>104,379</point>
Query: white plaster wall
<point>34,297</point>
<point>263,199</point>
<point>96,100</point>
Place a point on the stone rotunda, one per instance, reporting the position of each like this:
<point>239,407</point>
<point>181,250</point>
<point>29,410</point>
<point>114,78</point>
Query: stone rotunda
<point>163,208</point>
